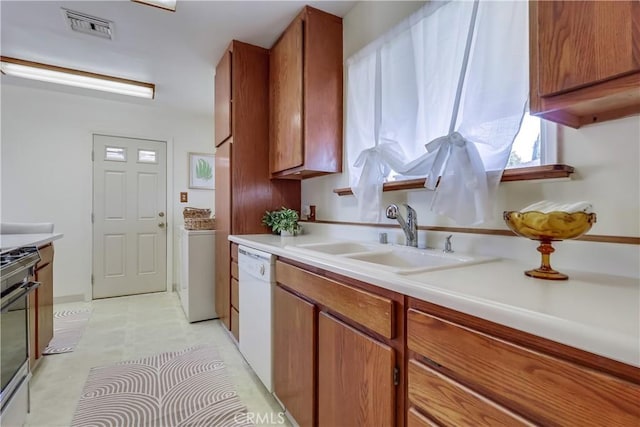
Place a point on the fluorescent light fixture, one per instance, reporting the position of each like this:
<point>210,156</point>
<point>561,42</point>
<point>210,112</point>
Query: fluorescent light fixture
<point>162,4</point>
<point>70,77</point>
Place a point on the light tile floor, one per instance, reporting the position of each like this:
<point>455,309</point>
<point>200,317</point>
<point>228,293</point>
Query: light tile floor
<point>128,328</point>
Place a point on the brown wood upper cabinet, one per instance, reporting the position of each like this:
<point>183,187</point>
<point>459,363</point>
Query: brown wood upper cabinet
<point>223,99</point>
<point>244,190</point>
<point>305,83</point>
<point>584,60</point>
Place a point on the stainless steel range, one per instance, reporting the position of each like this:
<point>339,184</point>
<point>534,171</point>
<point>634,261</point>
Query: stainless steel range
<point>16,267</point>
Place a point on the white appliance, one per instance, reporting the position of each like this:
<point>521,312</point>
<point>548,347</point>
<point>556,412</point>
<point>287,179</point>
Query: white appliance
<point>256,283</point>
<point>197,275</point>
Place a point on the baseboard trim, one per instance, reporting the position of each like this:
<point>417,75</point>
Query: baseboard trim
<point>69,298</point>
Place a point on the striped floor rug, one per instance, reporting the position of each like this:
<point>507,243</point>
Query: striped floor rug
<point>68,326</point>
<point>183,388</point>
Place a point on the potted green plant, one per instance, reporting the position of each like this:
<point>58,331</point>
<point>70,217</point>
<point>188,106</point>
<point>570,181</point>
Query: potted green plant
<point>272,219</point>
<point>288,222</point>
<point>283,221</point>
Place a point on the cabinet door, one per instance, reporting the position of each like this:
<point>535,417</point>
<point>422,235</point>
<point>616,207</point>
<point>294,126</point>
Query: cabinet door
<point>223,225</point>
<point>286,116</point>
<point>223,99</point>
<point>45,307</point>
<point>355,377</point>
<point>33,328</point>
<point>585,42</point>
<point>294,323</point>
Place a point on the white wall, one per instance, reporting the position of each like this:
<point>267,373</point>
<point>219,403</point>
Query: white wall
<point>47,170</point>
<point>606,157</point>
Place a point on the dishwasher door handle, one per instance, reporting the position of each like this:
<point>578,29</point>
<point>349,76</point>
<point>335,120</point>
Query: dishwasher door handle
<point>253,270</point>
<point>253,255</point>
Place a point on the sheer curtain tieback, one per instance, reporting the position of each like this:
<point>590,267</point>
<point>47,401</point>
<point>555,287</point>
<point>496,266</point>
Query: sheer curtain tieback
<point>444,146</point>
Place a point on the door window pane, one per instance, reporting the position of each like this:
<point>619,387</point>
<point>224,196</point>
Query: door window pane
<point>115,154</point>
<point>147,156</point>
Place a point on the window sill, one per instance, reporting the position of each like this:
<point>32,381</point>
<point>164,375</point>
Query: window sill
<point>509,175</point>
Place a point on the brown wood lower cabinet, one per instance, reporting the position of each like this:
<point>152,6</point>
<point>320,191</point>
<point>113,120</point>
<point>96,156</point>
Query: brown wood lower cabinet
<point>416,419</point>
<point>234,321</point>
<point>349,354</point>
<point>335,364</point>
<point>452,404</point>
<point>44,298</point>
<point>355,377</point>
<point>41,306</point>
<point>294,321</point>
<point>466,371</point>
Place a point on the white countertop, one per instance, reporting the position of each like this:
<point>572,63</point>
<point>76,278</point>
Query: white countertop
<point>12,241</point>
<point>593,312</point>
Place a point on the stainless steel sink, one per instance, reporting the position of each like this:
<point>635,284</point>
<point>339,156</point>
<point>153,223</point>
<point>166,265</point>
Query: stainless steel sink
<point>392,258</point>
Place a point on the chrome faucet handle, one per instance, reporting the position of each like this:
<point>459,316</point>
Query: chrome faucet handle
<point>392,211</point>
<point>410,210</point>
<point>411,214</point>
<point>447,244</point>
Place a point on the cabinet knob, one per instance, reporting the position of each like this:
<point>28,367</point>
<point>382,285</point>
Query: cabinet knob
<point>161,224</point>
<point>262,269</point>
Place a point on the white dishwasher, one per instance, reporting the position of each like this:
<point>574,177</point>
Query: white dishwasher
<point>256,282</point>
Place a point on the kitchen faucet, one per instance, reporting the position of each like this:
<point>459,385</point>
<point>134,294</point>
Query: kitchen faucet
<point>410,226</point>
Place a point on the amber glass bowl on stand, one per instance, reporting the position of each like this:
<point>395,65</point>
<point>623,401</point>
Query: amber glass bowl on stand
<point>546,228</point>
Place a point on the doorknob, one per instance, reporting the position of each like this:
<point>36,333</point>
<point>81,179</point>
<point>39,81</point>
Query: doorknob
<point>161,224</point>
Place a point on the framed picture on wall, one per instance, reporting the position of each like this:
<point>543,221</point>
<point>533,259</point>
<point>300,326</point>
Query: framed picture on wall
<point>201,171</point>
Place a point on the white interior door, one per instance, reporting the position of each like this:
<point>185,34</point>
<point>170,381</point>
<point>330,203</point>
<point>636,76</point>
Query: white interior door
<point>129,216</point>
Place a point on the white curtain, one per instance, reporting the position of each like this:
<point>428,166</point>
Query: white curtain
<point>403,92</point>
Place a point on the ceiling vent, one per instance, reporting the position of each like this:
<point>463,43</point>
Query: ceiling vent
<point>88,24</point>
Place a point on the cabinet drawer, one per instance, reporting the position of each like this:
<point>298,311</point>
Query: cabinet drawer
<point>235,323</point>
<point>46,256</point>
<point>416,419</point>
<point>235,294</point>
<point>451,404</point>
<point>368,309</point>
<point>44,299</point>
<point>234,252</point>
<point>234,270</point>
<point>543,388</point>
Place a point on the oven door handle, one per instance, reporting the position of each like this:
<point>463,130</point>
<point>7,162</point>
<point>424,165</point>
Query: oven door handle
<point>21,292</point>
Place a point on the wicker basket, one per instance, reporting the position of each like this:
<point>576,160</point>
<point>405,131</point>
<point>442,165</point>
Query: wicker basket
<point>196,213</point>
<point>200,223</point>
